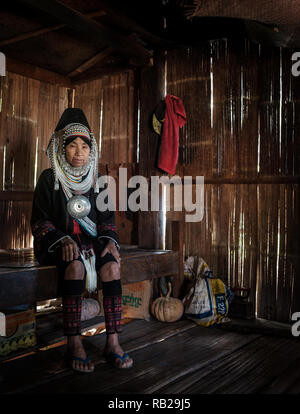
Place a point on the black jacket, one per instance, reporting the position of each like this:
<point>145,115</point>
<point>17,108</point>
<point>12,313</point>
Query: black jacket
<point>50,220</point>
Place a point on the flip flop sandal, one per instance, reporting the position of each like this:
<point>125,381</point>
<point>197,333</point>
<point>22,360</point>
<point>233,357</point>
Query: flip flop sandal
<point>112,359</point>
<point>71,358</point>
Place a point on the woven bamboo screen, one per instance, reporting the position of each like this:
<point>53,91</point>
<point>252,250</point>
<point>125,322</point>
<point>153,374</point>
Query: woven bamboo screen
<point>29,112</point>
<point>242,135</point>
<point>110,107</point>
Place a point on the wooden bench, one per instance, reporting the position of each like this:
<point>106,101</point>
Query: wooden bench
<point>23,281</point>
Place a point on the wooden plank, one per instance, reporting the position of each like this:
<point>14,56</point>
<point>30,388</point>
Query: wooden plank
<point>156,364</point>
<point>16,195</point>
<point>255,366</point>
<point>47,366</point>
<point>100,73</point>
<point>92,61</point>
<point>284,383</point>
<point>169,358</point>
<point>35,72</point>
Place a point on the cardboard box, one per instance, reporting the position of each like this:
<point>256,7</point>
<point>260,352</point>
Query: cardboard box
<point>135,300</point>
<point>17,330</point>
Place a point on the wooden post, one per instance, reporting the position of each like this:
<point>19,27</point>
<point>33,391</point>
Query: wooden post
<point>177,245</point>
<point>71,97</point>
<point>151,92</point>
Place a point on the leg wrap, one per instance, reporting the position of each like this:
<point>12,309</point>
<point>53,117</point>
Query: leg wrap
<point>112,304</point>
<point>72,300</point>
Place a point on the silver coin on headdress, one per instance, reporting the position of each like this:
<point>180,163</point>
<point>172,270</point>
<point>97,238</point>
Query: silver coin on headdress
<point>78,206</point>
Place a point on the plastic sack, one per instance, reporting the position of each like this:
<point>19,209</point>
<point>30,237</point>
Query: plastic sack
<point>207,301</point>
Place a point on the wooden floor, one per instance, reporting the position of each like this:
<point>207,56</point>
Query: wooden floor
<point>175,358</point>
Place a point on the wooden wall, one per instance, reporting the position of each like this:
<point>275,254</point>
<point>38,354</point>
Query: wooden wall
<point>29,112</point>
<point>110,107</point>
<point>242,135</point>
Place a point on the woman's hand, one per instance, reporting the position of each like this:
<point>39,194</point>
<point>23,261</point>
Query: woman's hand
<point>111,248</point>
<point>69,250</point>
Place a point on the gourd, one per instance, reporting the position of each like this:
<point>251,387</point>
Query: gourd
<point>89,309</point>
<point>167,309</point>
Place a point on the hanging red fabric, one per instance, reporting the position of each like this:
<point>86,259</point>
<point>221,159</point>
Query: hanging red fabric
<point>175,118</point>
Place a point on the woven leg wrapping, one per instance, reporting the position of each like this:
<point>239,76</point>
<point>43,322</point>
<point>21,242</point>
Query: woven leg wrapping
<point>113,314</point>
<point>112,305</point>
<point>72,301</point>
<point>72,315</point>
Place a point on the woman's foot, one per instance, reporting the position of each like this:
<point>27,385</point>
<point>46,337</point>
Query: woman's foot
<point>115,354</point>
<point>77,356</point>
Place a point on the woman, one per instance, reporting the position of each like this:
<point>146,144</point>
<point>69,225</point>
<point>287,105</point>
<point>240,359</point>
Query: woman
<point>81,244</point>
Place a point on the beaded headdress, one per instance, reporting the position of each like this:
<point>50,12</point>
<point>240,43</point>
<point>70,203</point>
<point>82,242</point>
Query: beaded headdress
<point>73,179</point>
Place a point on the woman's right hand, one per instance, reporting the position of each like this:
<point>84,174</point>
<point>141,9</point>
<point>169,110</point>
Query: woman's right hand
<point>69,250</point>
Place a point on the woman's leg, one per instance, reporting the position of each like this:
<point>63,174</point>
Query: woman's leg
<point>73,287</point>
<point>112,304</point>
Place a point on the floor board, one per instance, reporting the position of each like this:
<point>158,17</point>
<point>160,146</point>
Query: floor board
<point>173,358</point>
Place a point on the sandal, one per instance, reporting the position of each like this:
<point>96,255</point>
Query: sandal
<point>112,359</point>
<point>72,358</point>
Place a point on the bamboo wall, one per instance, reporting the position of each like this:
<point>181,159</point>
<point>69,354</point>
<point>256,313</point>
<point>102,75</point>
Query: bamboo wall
<point>110,107</point>
<point>242,135</point>
<point>29,112</point>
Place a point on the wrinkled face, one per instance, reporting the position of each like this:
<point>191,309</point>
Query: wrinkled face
<point>77,152</point>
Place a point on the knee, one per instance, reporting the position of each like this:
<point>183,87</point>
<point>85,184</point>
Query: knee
<point>75,270</point>
<point>110,271</point>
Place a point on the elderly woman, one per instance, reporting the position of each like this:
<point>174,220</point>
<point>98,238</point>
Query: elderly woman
<point>80,245</point>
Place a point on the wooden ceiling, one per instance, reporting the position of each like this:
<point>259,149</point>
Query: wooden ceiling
<point>80,40</point>
<point>77,40</point>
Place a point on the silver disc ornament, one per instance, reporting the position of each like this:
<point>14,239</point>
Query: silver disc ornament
<point>79,206</point>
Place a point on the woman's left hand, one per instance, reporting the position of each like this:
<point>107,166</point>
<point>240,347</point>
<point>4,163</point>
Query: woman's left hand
<point>112,249</point>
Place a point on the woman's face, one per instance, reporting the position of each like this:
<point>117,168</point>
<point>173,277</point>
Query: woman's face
<point>77,152</point>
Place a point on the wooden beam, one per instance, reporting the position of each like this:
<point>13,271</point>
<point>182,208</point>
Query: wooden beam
<point>128,23</point>
<point>35,72</point>
<point>16,195</point>
<point>255,180</point>
<point>35,33</point>
<point>177,246</point>
<point>98,34</point>
<point>93,74</point>
<point>151,92</point>
<point>92,61</point>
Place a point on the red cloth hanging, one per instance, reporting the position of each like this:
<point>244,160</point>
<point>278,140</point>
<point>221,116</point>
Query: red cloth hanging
<point>175,118</point>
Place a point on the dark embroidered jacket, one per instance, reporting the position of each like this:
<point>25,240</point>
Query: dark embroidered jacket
<point>50,220</point>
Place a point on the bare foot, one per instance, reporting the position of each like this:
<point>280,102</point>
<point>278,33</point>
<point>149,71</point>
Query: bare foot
<point>75,349</point>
